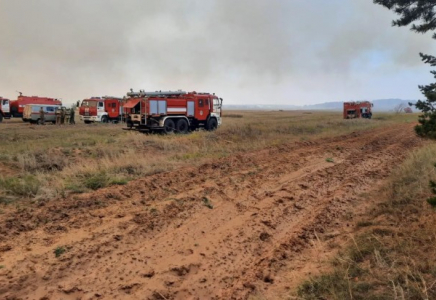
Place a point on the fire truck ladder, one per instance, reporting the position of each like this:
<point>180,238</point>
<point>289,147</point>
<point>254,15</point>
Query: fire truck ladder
<point>143,93</point>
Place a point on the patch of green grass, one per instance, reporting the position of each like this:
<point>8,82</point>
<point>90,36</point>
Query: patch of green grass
<point>330,160</point>
<point>25,186</point>
<point>75,188</point>
<point>207,203</point>
<point>59,251</point>
<point>118,181</point>
<point>432,201</point>
<point>364,223</point>
<point>95,181</point>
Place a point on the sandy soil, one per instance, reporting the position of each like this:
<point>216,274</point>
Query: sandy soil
<point>249,225</point>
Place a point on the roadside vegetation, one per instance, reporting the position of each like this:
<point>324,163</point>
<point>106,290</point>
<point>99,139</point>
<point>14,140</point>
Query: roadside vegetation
<point>392,255</point>
<point>45,162</point>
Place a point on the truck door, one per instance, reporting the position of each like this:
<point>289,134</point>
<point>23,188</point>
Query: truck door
<point>201,110</point>
<point>100,106</point>
<point>5,106</point>
<point>112,109</point>
<point>217,106</point>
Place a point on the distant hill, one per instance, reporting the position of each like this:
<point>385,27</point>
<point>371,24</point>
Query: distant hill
<point>379,105</point>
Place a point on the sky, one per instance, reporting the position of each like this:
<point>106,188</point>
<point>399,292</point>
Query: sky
<point>284,52</point>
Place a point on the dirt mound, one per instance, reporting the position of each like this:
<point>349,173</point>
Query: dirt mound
<point>243,225</point>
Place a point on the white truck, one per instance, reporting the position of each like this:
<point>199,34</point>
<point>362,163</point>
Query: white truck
<point>5,109</point>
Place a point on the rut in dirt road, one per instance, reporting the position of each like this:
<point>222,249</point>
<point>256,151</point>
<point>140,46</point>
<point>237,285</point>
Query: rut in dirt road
<point>224,230</point>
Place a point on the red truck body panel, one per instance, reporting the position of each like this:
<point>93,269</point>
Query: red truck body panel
<point>203,105</point>
<point>362,109</point>
<point>17,106</point>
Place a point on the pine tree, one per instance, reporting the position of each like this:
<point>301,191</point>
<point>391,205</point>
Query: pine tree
<point>421,15</point>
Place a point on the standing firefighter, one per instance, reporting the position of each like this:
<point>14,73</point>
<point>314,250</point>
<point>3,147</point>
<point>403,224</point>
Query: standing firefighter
<point>41,116</point>
<point>58,116</point>
<point>72,112</point>
<point>63,116</point>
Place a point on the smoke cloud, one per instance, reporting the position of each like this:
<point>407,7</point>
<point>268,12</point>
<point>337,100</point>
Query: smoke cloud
<point>248,52</point>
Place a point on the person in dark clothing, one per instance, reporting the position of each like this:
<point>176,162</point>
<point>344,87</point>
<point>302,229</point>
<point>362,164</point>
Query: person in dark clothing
<point>41,116</point>
<point>72,112</point>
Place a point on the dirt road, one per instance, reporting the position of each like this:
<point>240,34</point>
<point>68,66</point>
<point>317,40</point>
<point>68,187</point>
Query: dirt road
<point>251,224</point>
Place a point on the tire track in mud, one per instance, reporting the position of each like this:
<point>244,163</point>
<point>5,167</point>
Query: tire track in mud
<point>224,230</point>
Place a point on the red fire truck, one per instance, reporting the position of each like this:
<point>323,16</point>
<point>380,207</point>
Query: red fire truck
<point>17,106</point>
<point>5,109</point>
<point>101,109</point>
<point>362,109</point>
<point>172,111</point>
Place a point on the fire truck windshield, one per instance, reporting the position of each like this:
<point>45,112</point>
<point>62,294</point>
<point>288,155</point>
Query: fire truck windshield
<point>89,103</point>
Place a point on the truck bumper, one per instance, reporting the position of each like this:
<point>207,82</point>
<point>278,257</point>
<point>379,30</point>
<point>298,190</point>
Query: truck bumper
<point>90,119</point>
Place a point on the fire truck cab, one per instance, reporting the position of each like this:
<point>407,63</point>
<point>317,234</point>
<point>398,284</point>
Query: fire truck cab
<point>362,109</point>
<point>101,109</point>
<point>172,111</point>
<point>5,109</point>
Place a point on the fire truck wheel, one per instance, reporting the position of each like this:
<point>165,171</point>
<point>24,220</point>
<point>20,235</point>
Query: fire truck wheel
<point>182,126</point>
<point>104,119</point>
<point>212,124</point>
<point>87,122</point>
<point>169,126</point>
<point>1,118</point>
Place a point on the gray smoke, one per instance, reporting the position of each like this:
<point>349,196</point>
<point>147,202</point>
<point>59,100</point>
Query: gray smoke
<point>257,51</point>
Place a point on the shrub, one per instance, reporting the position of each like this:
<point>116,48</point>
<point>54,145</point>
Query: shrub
<point>26,186</point>
<point>95,181</point>
<point>59,251</point>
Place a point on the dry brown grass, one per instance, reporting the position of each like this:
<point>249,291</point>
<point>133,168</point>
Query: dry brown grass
<point>393,255</point>
<point>73,159</point>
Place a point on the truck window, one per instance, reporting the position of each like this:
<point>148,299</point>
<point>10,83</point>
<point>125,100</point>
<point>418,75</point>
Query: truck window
<point>216,104</point>
<point>206,102</point>
<point>100,104</point>
<point>5,102</point>
<point>89,103</point>
<point>200,103</point>
<point>50,109</point>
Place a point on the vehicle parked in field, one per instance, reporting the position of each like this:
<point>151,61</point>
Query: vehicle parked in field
<point>31,113</point>
<point>172,111</point>
<point>362,109</point>
<point>5,109</point>
<point>17,106</point>
<point>101,109</point>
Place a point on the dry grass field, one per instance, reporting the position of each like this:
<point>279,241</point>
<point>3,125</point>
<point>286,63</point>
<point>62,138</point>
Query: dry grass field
<point>272,205</point>
<point>44,162</point>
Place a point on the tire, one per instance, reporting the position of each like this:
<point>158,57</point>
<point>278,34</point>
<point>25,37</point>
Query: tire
<point>104,119</point>
<point>87,122</point>
<point>169,126</point>
<point>39,122</point>
<point>1,118</point>
<point>182,126</point>
<point>212,124</point>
